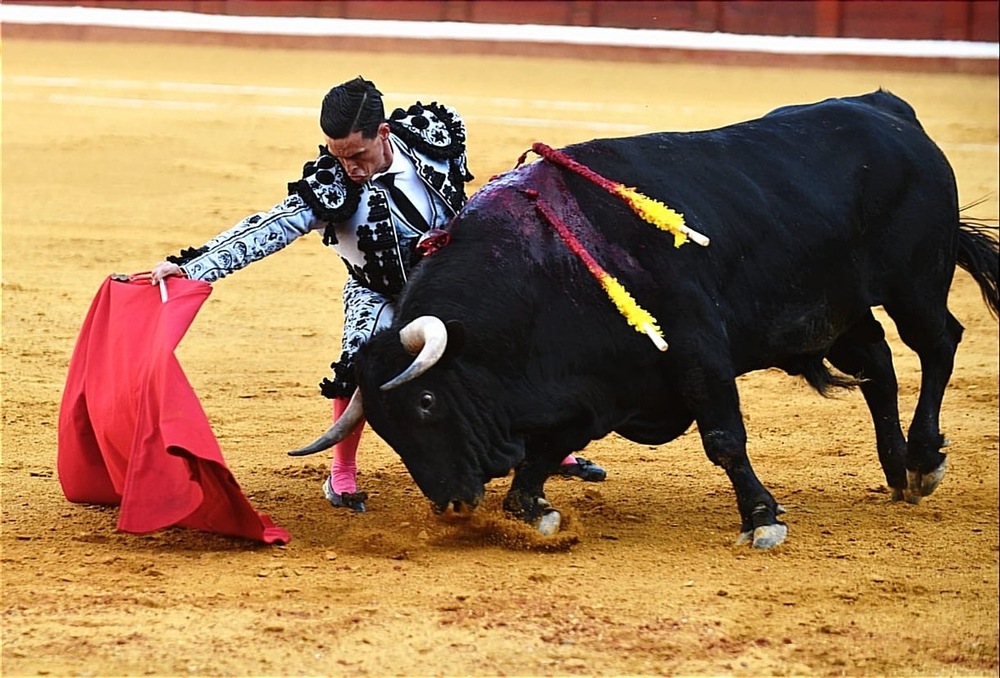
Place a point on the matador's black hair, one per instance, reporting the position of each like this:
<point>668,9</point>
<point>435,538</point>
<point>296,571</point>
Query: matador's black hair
<point>353,106</point>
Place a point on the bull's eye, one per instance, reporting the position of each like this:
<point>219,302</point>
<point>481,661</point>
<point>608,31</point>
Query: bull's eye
<point>426,401</point>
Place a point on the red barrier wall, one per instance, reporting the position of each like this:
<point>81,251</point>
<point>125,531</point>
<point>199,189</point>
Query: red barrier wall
<point>974,20</point>
<point>911,19</point>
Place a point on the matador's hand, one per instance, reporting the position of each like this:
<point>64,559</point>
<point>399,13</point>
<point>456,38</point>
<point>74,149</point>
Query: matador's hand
<point>163,270</point>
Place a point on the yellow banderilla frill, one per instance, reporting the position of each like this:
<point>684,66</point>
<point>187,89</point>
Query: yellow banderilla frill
<point>636,316</point>
<point>656,213</point>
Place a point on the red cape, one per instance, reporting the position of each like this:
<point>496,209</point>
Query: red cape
<point>131,429</point>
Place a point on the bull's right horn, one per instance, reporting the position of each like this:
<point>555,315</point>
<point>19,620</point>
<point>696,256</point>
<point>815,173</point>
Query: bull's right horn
<point>427,338</point>
<point>352,416</point>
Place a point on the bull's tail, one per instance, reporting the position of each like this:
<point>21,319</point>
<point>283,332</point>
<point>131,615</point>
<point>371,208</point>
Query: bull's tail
<point>817,373</point>
<point>979,255</point>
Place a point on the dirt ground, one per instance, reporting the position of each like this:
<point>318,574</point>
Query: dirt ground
<point>114,156</point>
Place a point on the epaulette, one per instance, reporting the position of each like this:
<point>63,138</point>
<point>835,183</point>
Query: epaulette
<point>325,187</point>
<point>432,129</point>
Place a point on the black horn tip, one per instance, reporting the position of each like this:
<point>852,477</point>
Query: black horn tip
<point>304,451</point>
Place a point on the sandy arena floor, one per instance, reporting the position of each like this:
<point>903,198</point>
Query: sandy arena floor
<point>114,156</point>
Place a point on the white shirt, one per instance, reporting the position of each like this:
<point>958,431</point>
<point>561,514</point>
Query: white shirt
<point>407,180</point>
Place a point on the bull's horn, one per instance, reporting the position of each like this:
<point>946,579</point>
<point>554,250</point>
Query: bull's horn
<point>427,338</point>
<point>349,420</point>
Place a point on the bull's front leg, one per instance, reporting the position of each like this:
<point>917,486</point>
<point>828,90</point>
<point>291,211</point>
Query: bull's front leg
<point>759,522</point>
<point>725,441</point>
<point>526,498</point>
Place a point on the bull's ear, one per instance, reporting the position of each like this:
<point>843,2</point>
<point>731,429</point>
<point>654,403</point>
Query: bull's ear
<point>456,339</point>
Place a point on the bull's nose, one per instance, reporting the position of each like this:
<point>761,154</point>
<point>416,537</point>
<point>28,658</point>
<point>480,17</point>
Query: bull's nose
<point>458,506</point>
<point>461,508</point>
<point>443,492</point>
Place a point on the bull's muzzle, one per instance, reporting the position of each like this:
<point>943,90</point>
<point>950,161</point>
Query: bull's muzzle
<point>458,506</point>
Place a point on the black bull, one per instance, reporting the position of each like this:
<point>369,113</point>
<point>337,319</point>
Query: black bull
<point>816,214</point>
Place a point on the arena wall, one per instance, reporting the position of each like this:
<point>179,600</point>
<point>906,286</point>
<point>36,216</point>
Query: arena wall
<point>907,19</point>
<point>910,20</point>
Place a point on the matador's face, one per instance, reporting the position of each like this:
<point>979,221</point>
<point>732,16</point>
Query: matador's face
<point>360,157</point>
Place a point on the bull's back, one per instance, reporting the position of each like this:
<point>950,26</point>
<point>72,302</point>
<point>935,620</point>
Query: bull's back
<point>815,214</point>
<point>815,157</point>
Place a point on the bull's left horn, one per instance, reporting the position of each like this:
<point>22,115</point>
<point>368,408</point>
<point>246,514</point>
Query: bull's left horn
<point>352,416</point>
<point>427,338</point>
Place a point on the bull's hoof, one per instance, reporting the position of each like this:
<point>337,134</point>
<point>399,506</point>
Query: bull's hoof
<point>549,523</point>
<point>525,507</point>
<point>764,537</point>
<point>920,485</point>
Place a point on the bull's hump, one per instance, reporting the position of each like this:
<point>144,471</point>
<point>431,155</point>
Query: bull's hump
<point>513,192</point>
<point>518,179</point>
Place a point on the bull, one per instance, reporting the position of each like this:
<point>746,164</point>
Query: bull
<point>506,354</point>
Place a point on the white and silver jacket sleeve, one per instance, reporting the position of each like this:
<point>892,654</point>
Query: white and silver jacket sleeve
<point>253,238</point>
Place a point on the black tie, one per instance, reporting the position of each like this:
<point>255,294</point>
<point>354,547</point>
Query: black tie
<point>409,210</point>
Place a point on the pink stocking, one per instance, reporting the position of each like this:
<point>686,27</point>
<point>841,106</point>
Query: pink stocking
<point>344,468</point>
<point>570,459</point>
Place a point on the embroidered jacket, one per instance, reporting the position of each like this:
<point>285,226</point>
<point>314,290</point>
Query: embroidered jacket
<point>356,221</point>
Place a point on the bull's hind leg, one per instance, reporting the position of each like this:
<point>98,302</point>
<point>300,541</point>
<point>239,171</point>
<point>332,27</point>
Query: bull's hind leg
<point>862,352</point>
<point>934,334</point>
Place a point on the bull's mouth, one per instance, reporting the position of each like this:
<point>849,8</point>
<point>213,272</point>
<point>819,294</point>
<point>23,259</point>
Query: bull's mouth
<point>458,507</point>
